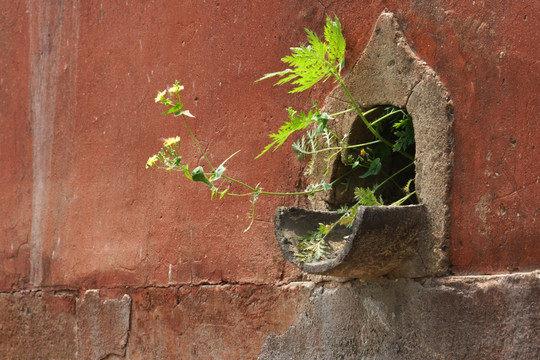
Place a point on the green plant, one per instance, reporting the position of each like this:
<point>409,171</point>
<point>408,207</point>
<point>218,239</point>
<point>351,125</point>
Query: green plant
<point>388,157</point>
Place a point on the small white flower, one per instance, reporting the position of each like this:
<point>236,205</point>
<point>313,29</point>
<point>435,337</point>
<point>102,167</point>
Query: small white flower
<point>176,89</point>
<point>152,160</point>
<point>160,96</point>
<point>171,141</point>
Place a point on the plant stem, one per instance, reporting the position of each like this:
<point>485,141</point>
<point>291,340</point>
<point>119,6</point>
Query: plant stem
<point>403,199</point>
<point>351,109</point>
<point>385,117</point>
<point>392,176</point>
<point>364,119</point>
<point>340,148</point>
<point>267,192</point>
<point>197,143</point>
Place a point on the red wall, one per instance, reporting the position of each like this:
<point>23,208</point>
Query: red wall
<point>78,209</point>
<point>87,75</point>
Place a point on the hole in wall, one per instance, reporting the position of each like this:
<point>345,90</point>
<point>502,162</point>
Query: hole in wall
<point>396,126</point>
<point>396,241</point>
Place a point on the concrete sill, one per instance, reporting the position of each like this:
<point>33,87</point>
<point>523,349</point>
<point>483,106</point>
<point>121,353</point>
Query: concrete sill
<point>380,240</point>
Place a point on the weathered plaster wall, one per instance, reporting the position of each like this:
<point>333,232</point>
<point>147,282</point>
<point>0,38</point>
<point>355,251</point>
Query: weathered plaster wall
<point>78,210</point>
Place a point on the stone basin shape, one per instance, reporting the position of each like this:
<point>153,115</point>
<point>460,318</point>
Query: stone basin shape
<point>379,240</point>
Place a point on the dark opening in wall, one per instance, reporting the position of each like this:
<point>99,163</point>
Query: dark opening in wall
<point>395,178</point>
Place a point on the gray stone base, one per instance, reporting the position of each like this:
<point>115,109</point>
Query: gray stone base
<point>466,317</point>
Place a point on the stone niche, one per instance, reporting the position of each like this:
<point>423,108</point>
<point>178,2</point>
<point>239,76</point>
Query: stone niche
<point>405,241</point>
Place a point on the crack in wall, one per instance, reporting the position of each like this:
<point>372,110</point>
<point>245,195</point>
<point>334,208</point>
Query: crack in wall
<point>327,281</point>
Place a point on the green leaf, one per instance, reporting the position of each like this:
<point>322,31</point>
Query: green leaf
<point>198,175</point>
<point>366,197</point>
<point>176,108</point>
<point>315,62</point>
<point>374,168</point>
<point>187,173</point>
<point>183,112</point>
<point>348,216</point>
<point>336,42</point>
<point>223,193</point>
<point>325,186</point>
<point>311,246</point>
<point>404,132</point>
<point>325,228</point>
<point>218,172</point>
<point>298,121</point>
<point>256,195</point>
<point>407,187</point>
<point>322,120</point>
<point>174,164</point>
<point>277,73</point>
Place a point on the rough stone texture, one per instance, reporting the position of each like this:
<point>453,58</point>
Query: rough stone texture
<point>389,73</point>
<point>102,326</point>
<point>491,317</point>
<point>432,114</point>
<point>38,325</point>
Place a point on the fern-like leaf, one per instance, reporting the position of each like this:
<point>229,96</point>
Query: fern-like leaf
<point>404,131</point>
<point>315,62</point>
<point>336,42</point>
<point>311,247</point>
<point>298,121</point>
<point>366,197</point>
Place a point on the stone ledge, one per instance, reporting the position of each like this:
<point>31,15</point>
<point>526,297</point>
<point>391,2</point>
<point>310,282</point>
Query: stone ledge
<point>465,317</point>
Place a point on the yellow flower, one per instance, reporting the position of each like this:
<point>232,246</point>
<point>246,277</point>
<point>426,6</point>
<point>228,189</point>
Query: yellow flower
<point>171,141</point>
<point>362,152</point>
<point>160,96</point>
<point>175,89</point>
<point>152,160</point>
